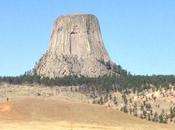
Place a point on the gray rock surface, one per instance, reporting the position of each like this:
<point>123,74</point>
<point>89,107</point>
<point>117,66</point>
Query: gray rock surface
<point>76,48</point>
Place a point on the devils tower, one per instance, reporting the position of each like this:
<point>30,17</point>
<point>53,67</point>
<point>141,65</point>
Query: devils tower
<point>76,48</point>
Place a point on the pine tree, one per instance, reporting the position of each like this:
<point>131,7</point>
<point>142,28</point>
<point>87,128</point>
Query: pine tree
<point>156,117</point>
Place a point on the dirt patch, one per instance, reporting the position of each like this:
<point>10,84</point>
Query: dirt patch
<point>5,108</point>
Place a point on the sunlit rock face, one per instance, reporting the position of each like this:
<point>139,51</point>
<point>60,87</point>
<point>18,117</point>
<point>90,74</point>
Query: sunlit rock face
<point>76,48</point>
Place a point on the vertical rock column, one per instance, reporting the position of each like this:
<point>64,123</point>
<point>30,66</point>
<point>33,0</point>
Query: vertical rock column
<point>76,48</point>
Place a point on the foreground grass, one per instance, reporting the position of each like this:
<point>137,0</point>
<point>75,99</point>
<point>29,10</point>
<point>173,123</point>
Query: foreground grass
<point>57,113</point>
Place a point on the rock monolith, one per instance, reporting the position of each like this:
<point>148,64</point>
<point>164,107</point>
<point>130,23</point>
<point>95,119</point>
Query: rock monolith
<point>76,48</point>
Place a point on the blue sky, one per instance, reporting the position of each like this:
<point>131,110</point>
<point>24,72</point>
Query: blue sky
<point>139,34</point>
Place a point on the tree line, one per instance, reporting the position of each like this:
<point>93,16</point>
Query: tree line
<point>106,81</point>
<point>122,79</point>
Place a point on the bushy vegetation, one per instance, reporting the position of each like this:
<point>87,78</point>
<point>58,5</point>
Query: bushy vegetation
<point>145,81</point>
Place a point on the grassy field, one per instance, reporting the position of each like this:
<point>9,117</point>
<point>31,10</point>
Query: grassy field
<point>58,113</point>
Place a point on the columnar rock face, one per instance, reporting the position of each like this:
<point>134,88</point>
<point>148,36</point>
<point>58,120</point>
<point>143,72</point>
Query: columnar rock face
<point>76,48</point>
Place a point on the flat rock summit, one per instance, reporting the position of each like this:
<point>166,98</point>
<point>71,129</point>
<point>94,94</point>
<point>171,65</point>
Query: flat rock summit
<point>76,48</point>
